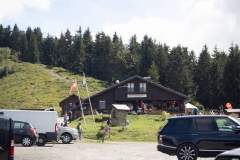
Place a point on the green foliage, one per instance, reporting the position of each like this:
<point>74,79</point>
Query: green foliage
<point>142,128</point>
<point>154,73</point>
<point>165,115</point>
<point>232,76</point>
<point>212,79</point>
<point>37,86</point>
<point>203,77</point>
<point>6,66</point>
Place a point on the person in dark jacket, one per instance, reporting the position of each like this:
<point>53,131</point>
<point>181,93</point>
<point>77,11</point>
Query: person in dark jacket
<point>70,116</point>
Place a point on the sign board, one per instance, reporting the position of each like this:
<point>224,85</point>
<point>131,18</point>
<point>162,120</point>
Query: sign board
<point>136,95</point>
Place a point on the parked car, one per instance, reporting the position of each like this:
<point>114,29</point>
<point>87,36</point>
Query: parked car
<point>6,138</point>
<point>189,137</point>
<point>238,119</point>
<point>233,154</point>
<point>67,134</point>
<point>45,122</point>
<point>25,133</point>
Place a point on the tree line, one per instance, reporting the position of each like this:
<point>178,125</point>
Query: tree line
<point>212,79</point>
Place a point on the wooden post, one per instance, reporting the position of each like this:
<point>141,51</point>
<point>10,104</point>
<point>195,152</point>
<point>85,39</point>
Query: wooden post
<point>103,138</point>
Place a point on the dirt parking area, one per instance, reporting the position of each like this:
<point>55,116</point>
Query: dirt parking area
<point>80,150</point>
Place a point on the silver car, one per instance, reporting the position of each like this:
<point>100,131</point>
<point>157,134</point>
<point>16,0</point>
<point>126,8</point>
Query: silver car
<point>67,134</point>
<point>233,154</point>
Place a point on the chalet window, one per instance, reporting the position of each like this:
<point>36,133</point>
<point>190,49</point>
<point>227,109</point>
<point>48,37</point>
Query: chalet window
<point>130,87</point>
<point>70,104</point>
<point>143,87</point>
<point>102,105</point>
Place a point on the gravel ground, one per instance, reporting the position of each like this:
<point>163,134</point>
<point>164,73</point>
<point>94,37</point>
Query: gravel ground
<point>80,150</point>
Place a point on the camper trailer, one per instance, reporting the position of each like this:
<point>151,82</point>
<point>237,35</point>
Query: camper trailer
<point>45,122</point>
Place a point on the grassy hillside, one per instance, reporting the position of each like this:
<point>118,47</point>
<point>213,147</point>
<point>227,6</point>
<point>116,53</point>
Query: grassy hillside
<point>37,86</point>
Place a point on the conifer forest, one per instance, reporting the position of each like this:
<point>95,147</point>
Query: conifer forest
<point>211,77</point>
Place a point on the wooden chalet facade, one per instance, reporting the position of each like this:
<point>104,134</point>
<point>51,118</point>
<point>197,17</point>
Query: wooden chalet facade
<point>130,92</point>
<point>69,103</point>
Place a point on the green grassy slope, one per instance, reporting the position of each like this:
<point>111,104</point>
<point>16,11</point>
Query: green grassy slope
<point>37,86</point>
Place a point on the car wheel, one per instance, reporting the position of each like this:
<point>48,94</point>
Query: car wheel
<point>41,141</point>
<point>66,138</point>
<point>187,151</point>
<point>27,141</point>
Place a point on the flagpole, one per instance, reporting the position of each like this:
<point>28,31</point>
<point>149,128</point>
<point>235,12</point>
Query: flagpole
<point>89,99</point>
<point>81,106</point>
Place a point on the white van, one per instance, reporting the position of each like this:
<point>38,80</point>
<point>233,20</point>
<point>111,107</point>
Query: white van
<point>45,122</point>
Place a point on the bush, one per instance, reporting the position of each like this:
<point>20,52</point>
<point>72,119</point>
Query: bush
<point>165,115</point>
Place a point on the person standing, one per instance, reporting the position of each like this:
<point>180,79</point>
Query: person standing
<point>79,128</point>
<point>65,117</point>
<point>143,107</point>
<point>195,111</point>
<point>70,116</point>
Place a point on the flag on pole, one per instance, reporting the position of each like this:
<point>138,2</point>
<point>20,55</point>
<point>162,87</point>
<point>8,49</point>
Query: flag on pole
<point>84,79</point>
<point>73,87</point>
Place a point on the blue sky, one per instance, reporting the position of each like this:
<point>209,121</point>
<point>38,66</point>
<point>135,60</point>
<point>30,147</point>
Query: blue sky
<point>190,23</point>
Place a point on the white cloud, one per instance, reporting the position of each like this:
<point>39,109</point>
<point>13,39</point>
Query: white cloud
<point>13,8</point>
<point>201,22</point>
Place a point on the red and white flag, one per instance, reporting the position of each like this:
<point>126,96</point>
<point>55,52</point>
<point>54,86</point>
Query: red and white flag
<point>73,87</point>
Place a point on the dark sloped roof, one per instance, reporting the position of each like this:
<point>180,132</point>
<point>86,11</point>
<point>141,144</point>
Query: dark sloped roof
<point>73,95</point>
<point>144,80</point>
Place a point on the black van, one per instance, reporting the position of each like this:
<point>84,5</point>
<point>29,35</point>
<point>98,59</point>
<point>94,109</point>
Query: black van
<point>6,138</point>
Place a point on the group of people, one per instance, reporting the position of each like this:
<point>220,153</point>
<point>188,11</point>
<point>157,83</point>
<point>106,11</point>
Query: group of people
<point>65,120</point>
<point>79,127</point>
<point>140,108</point>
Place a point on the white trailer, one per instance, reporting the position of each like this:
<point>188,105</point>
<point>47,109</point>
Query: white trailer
<point>45,122</point>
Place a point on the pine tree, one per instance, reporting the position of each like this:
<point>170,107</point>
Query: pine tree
<point>15,39</point>
<point>88,49</point>
<point>177,70</point>
<point>116,59</point>
<point>65,50</point>
<point>78,56</point>
<point>1,35</point>
<point>7,37</point>
<point>192,64</point>
<point>232,77</point>
<point>148,52</point>
<point>33,50</point>
<point>50,51</point>
<point>161,62</point>
<point>23,47</point>
<point>39,41</point>
<point>153,72</point>
<point>218,63</point>
<point>132,58</point>
<point>32,54</point>
<point>203,78</point>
